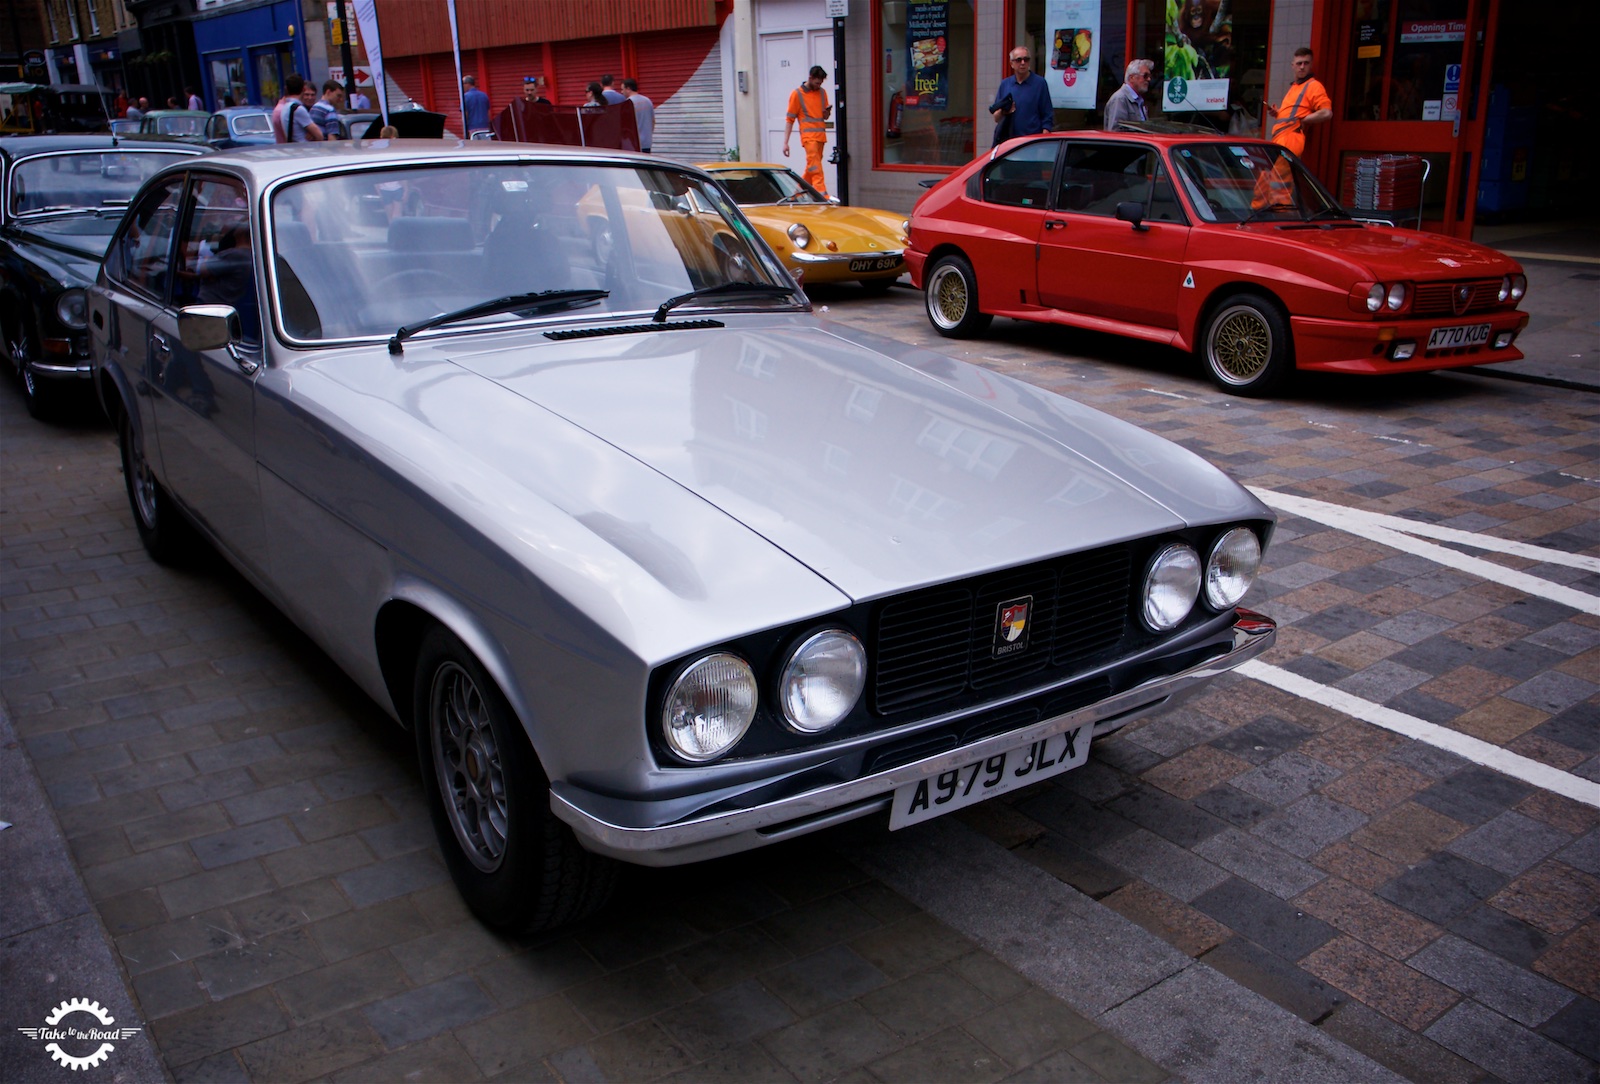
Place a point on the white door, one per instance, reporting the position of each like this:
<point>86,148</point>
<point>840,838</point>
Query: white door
<point>786,57</point>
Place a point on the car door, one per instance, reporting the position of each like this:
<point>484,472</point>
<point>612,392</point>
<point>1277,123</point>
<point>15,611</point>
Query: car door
<point>204,399</point>
<point>1094,264</point>
<point>1015,193</point>
<point>131,295</point>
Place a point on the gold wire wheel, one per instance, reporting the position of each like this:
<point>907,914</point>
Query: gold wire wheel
<point>1240,346</point>
<point>950,297</point>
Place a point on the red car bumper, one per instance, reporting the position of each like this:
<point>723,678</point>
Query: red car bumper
<point>1370,346</point>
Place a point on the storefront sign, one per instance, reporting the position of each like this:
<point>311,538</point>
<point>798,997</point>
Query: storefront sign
<point>1194,95</point>
<point>927,41</point>
<point>1072,42</point>
<point>1421,30</point>
<point>1452,78</point>
<point>362,76</point>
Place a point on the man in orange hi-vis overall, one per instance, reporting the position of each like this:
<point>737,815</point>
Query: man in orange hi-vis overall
<point>808,104</point>
<point>1306,102</point>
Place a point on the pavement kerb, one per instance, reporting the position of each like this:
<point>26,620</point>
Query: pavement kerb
<point>53,944</point>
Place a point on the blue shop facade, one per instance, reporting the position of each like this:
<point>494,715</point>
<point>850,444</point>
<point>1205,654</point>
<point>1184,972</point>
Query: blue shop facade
<point>245,55</point>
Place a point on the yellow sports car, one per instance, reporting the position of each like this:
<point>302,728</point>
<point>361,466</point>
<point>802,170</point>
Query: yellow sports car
<point>819,241</point>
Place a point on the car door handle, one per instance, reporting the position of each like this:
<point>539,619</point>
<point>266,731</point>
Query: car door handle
<point>1054,224</point>
<point>160,354</point>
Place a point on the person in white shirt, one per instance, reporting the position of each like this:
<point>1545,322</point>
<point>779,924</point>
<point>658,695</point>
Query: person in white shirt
<point>644,113</point>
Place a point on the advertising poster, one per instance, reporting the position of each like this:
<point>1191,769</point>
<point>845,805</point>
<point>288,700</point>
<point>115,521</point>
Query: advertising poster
<point>927,37</point>
<point>1071,48</point>
<point>1194,95</point>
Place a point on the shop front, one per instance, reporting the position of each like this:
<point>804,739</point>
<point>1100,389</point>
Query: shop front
<point>246,55</point>
<point>1410,81</point>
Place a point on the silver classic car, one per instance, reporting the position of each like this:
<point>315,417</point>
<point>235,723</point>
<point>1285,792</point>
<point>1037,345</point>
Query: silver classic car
<point>545,448</point>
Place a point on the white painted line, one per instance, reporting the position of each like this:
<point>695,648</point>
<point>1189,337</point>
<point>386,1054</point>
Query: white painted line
<point>1168,394</point>
<point>1556,256</point>
<point>1363,525</point>
<point>1290,503</point>
<point>1464,745</point>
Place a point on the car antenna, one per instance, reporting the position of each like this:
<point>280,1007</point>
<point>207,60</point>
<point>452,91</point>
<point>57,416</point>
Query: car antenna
<point>99,93</point>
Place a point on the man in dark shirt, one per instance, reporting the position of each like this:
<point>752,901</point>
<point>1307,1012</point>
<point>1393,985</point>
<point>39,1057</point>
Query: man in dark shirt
<point>1030,110</point>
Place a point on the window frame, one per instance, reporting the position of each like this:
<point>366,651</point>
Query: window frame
<point>978,117</point>
<point>120,277</point>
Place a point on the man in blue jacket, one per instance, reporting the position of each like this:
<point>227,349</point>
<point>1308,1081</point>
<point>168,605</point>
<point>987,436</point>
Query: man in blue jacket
<point>476,104</point>
<point>1022,104</point>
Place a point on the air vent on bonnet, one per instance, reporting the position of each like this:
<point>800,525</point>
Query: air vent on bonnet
<point>631,329</point>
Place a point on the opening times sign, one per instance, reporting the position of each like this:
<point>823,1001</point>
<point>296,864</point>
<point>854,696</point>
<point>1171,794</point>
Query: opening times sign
<point>927,44</point>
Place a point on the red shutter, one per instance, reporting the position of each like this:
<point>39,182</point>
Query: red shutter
<point>667,59</point>
<point>579,63</point>
<point>447,92</point>
<point>406,71</point>
<point>508,66</point>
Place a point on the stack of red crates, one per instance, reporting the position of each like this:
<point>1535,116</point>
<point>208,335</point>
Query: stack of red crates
<point>1386,184</point>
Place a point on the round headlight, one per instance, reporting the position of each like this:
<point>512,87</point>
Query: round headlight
<point>1519,286</point>
<point>1505,288</point>
<point>1232,567</point>
<point>799,235</point>
<point>905,226</point>
<point>1397,297</point>
<point>1171,586</point>
<point>72,309</point>
<point>822,680</point>
<point>1375,295</point>
<point>709,707</point>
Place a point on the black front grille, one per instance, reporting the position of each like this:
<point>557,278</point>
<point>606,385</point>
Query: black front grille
<point>1440,299</point>
<point>937,644</point>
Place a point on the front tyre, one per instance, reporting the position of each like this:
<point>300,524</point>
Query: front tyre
<point>518,867</point>
<point>951,293</point>
<point>1246,347</point>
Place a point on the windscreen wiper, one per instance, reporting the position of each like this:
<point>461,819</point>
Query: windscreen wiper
<point>761,289</point>
<point>543,301</point>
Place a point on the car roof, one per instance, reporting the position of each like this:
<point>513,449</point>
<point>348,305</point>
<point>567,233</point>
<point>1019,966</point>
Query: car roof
<point>27,146</point>
<point>177,113</point>
<point>268,163</point>
<point>1185,134</point>
<point>714,166</point>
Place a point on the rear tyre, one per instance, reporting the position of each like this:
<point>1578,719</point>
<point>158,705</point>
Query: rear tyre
<point>518,867</point>
<point>951,293</point>
<point>163,530</point>
<point>1246,347</point>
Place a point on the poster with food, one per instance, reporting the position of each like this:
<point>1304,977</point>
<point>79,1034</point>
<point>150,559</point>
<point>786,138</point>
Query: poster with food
<point>1072,48</point>
<point>927,44</point>
<point>1073,30</point>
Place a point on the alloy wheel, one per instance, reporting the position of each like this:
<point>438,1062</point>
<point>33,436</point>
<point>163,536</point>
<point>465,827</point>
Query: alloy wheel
<point>467,760</point>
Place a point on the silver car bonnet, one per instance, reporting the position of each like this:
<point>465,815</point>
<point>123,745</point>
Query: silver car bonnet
<point>878,473</point>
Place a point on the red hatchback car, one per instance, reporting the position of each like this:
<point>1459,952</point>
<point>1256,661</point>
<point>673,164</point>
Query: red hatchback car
<point>1227,247</point>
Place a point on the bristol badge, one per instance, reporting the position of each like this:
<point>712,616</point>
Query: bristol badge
<point>1011,626</point>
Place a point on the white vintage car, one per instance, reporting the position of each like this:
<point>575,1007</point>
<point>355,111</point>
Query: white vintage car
<point>657,565</point>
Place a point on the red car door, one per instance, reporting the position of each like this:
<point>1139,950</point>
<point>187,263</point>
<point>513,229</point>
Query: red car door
<point>1001,231</point>
<point>1094,264</point>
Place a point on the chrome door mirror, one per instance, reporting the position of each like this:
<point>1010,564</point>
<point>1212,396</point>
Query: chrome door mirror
<point>208,327</point>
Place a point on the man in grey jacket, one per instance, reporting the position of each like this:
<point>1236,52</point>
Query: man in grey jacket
<point>1127,104</point>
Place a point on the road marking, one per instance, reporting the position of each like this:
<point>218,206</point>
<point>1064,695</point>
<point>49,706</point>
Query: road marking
<point>1168,394</point>
<point>1463,745</point>
<point>1398,533</point>
<point>1556,256</point>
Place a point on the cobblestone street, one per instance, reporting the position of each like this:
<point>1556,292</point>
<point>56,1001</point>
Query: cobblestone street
<point>1283,879</point>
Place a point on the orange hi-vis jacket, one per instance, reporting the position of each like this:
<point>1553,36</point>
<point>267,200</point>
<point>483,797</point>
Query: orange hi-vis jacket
<point>808,107</point>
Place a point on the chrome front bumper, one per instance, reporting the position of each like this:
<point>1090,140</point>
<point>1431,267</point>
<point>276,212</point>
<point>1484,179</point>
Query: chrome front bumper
<point>699,838</point>
<point>79,370</point>
<point>843,257</point>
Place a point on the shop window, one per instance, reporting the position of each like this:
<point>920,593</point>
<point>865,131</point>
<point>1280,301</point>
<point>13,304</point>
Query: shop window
<point>1404,53</point>
<point>1080,48</point>
<point>1210,64</point>
<point>928,96</point>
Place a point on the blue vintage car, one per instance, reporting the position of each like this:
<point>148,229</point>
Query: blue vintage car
<point>61,196</point>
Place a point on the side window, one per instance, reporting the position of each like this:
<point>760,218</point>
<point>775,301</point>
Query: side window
<point>1022,178</point>
<point>215,259</point>
<point>140,256</point>
<point>1098,176</point>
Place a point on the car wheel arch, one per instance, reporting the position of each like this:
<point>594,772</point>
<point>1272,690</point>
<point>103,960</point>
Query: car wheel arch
<point>403,622</point>
<point>1227,292</point>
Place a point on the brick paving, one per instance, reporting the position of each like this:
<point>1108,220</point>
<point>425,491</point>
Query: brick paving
<point>251,832</point>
